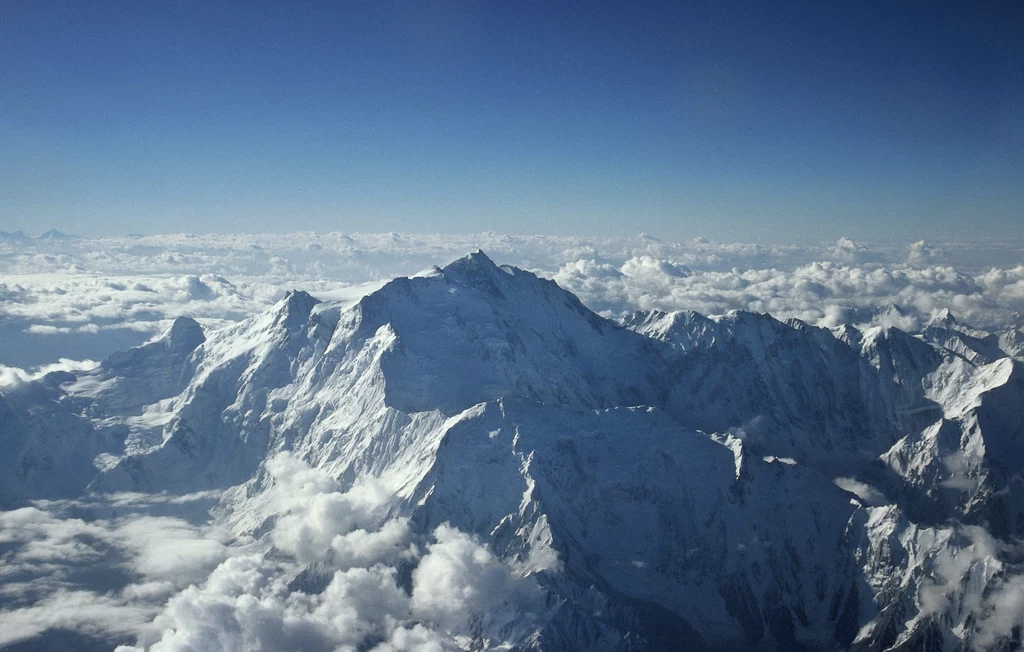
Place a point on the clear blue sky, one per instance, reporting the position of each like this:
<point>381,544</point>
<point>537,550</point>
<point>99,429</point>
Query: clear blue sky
<point>754,121</point>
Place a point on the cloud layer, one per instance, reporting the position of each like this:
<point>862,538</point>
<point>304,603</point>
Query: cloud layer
<point>152,573</point>
<point>83,298</point>
<point>100,568</point>
<point>821,293</point>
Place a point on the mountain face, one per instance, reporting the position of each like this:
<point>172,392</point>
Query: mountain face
<point>671,482</point>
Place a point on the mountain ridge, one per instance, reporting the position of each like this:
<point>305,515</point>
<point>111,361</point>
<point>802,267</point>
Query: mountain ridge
<point>673,464</point>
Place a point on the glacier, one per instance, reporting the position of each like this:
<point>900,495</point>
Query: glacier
<point>667,481</point>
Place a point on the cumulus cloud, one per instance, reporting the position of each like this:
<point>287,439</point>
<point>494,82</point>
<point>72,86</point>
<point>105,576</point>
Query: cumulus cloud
<point>847,251</point>
<point>79,566</point>
<point>14,376</point>
<point>459,578</point>
<point>86,297</point>
<point>317,521</point>
<point>151,572</point>
<point>921,254</point>
<point>458,588</point>
<point>821,293</point>
<point>247,605</point>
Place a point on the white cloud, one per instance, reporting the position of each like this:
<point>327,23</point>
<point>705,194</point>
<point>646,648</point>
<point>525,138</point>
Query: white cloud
<point>63,297</point>
<point>822,293</point>
<point>317,521</point>
<point>867,494</point>
<point>1003,612</point>
<point>14,376</point>
<point>967,580</point>
<point>101,577</point>
<point>459,579</point>
<point>921,254</point>
<point>167,548</point>
<point>145,568</point>
<point>245,603</point>
<point>83,612</point>
<point>850,252</point>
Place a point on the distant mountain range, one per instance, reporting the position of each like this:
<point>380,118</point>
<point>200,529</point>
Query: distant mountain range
<point>52,234</point>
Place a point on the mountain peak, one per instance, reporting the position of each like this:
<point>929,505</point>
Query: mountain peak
<point>475,270</point>
<point>185,332</point>
<point>300,299</point>
<point>477,259</point>
<point>295,307</point>
<point>54,234</point>
<point>944,318</point>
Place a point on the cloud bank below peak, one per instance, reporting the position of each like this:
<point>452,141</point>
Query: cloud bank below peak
<point>82,298</point>
<point>151,572</point>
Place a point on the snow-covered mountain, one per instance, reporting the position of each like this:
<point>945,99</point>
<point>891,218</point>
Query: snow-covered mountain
<point>674,481</point>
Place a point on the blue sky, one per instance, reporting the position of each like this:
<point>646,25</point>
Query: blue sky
<point>758,121</point>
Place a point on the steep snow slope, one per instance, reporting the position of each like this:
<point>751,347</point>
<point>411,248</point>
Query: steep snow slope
<point>216,434</point>
<point>58,432</point>
<point>440,342</point>
<point>788,389</point>
<point>474,331</point>
<point>934,420</point>
<point>645,510</point>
